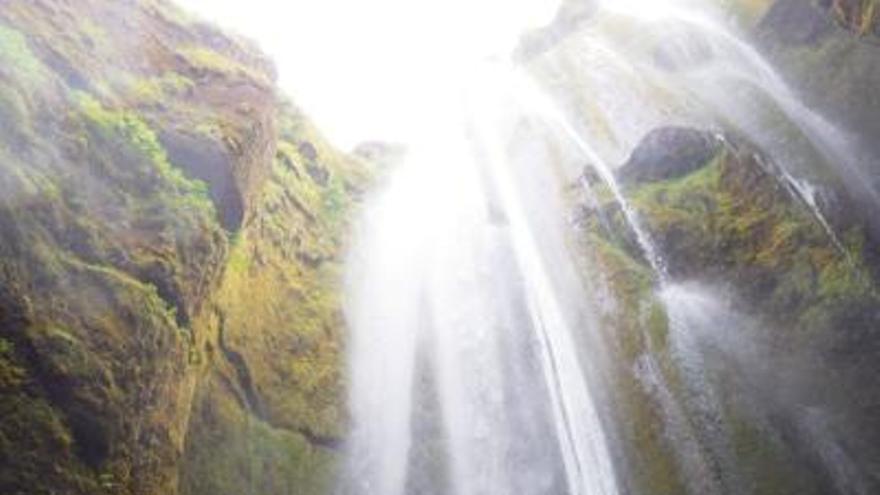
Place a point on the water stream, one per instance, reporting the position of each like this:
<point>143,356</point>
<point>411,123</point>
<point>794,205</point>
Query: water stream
<point>477,359</point>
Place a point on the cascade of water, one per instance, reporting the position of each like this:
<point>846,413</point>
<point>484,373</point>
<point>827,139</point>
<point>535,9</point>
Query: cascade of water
<point>456,275</point>
<point>451,241</point>
<point>587,462</point>
<point>700,476</point>
<point>381,389</point>
<point>537,102</point>
<point>696,314</point>
<point>708,461</point>
<point>706,62</point>
<point>809,195</point>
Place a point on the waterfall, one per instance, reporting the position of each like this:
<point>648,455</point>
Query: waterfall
<point>477,354</point>
<point>450,240</point>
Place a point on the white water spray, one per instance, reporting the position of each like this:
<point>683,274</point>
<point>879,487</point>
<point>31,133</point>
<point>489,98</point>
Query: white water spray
<point>458,272</point>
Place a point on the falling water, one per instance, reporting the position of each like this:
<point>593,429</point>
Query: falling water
<point>449,240</point>
<point>476,360</point>
<point>695,70</point>
<point>706,76</point>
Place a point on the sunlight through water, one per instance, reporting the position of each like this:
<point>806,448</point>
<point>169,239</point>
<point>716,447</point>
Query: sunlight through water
<point>364,70</point>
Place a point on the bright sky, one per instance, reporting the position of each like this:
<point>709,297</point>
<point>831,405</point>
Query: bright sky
<point>363,68</point>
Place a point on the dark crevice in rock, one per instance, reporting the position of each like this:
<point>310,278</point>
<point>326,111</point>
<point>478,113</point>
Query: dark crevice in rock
<point>319,174</point>
<point>158,276</point>
<point>324,441</point>
<point>207,160</point>
<point>243,374</point>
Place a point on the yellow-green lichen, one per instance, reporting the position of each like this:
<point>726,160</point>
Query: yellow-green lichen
<point>17,57</point>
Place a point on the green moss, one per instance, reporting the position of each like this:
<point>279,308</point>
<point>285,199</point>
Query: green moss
<point>120,254</point>
<point>769,465</point>
<point>232,452</point>
<point>238,262</point>
<point>170,12</point>
<point>11,375</point>
<point>157,90</point>
<point>730,222</point>
<point>336,202</point>
<point>130,292</point>
<point>138,134</point>
<point>731,217</point>
<point>209,60</point>
<point>282,283</point>
<point>17,57</point>
<point>657,325</point>
<point>289,174</point>
<point>681,190</point>
<point>36,449</point>
<point>640,327</point>
<point>15,115</point>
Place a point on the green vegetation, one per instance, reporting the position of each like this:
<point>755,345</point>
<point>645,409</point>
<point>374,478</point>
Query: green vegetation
<point>731,216</point>
<point>11,375</point>
<point>231,451</point>
<point>638,325</point>
<point>137,134</point>
<point>132,294</point>
<point>156,90</point>
<point>17,57</point>
<point>209,60</point>
<point>280,284</point>
<point>733,224</point>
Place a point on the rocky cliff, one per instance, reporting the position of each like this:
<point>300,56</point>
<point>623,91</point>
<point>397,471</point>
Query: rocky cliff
<point>745,364</point>
<point>172,229</point>
<point>169,317</point>
<point>733,227</point>
<point>828,51</point>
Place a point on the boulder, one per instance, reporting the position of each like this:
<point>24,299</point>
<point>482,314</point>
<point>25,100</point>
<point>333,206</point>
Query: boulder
<point>668,153</point>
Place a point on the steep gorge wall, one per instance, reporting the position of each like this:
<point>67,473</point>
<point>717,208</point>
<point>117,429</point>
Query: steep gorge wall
<point>168,265</point>
<point>789,344</point>
<point>829,52</point>
<point>772,394</point>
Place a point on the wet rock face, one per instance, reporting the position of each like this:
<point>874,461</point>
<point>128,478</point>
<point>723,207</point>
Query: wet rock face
<point>804,22</point>
<point>668,153</point>
<point>797,22</point>
<point>860,16</point>
<point>150,180</point>
<point>733,223</point>
<point>210,162</point>
<point>828,52</point>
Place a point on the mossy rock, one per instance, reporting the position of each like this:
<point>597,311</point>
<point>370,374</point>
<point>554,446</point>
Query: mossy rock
<point>736,222</point>
<point>139,193</point>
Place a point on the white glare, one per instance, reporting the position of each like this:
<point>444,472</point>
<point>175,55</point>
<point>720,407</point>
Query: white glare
<point>364,69</point>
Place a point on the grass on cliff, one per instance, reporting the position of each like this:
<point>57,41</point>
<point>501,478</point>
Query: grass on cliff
<point>278,310</point>
<point>208,60</point>
<point>157,90</point>
<point>231,451</point>
<point>137,134</point>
